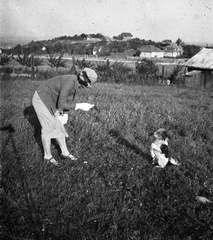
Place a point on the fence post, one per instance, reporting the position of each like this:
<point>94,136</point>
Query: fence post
<point>163,73</point>
<point>32,66</point>
<point>205,79</point>
<point>184,77</point>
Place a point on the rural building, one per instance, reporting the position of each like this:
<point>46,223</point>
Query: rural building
<point>91,39</point>
<point>96,50</point>
<point>150,51</point>
<point>100,50</point>
<point>173,50</point>
<point>200,69</point>
<point>126,36</point>
<point>166,42</point>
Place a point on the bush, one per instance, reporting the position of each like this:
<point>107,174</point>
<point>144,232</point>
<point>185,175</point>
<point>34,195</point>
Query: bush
<point>116,72</point>
<point>6,70</point>
<point>4,59</point>
<point>146,67</point>
<point>43,75</point>
<point>5,77</point>
<point>83,63</point>
<point>177,74</point>
<point>146,71</point>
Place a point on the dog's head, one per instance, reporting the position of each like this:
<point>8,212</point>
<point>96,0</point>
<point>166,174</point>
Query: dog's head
<point>162,134</point>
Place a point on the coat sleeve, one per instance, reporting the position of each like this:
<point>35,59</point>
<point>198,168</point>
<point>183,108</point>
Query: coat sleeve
<point>67,92</point>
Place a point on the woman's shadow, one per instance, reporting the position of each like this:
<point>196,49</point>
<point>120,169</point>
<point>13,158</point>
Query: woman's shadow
<point>31,116</point>
<point>121,140</point>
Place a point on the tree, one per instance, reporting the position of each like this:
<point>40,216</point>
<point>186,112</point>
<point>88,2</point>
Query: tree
<point>98,35</point>
<point>56,61</point>
<point>146,67</point>
<point>119,37</point>
<point>135,43</point>
<point>24,60</point>
<point>190,50</point>
<point>17,49</point>
<point>137,54</point>
<point>49,49</point>
<point>83,36</point>
<point>34,47</point>
<point>57,46</point>
<point>29,60</point>
<point>4,59</point>
<point>146,70</point>
<point>37,62</point>
<point>176,74</point>
<point>179,42</point>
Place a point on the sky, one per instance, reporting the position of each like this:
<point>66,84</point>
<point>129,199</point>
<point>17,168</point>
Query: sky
<point>191,21</point>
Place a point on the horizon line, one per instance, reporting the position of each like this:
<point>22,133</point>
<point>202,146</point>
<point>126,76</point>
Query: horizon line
<point>28,38</point>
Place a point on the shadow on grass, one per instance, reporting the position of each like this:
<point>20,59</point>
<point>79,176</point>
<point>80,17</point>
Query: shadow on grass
<point>13,180</point>
<point>31,116</point>
<point>121,140</point>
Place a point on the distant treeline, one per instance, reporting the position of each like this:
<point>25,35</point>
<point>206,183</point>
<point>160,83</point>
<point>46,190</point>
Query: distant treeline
<point>80,44</point>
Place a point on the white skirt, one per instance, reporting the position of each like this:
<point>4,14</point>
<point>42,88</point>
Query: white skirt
<point>51,126</point>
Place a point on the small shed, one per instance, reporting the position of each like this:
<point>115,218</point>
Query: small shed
<point>200,69</point>
<point>150,51</point>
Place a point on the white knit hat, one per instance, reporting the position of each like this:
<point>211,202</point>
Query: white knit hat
<point>91,74</point>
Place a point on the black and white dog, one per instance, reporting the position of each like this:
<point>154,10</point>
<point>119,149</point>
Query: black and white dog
<point>160,150</point>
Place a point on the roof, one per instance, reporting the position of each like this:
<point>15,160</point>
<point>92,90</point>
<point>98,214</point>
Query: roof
<point>166,41</point>
<point>202,60</point>
<point>173,47</point>
<point>126,34</point>
<point>149,48</point>
<point>129,52</point>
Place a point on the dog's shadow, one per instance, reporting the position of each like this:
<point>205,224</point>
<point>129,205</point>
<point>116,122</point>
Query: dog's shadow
<point>121,140</point>
<point>31,116</point>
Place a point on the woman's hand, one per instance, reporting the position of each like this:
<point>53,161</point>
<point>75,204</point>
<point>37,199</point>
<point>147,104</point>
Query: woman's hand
<point>63,117</point>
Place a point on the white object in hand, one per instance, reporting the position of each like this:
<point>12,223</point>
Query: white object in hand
<point>84,106</point>
<point>63,118</point>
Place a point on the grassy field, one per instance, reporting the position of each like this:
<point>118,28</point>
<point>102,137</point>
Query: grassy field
<point>112,191</point>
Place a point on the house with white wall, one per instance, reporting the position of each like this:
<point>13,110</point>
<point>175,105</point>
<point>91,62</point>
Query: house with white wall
<point>173,50</point>
<point>150,51</point>
<point>126,36</point>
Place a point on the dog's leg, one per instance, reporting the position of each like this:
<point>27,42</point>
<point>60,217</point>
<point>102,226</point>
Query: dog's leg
<point>161,159</point>
<point>174,162</point>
